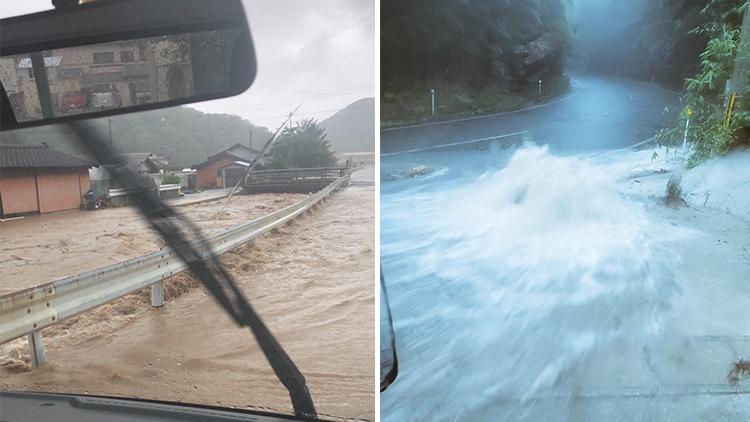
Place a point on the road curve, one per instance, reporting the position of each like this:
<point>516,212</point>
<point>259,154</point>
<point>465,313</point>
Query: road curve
<point>599,113</point>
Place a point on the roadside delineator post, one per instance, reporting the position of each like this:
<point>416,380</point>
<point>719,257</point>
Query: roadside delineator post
<point>687,127</point>
<point>36,349</point>
<point>432,91</point>
<point>540,87</point>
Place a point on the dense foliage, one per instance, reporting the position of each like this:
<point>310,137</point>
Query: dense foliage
<point>466,50</point>
<point>303,145</point>
<point>475,41</point>
<point>705,98</point>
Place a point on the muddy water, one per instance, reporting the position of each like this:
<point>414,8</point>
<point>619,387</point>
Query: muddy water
<point>42,248</point>
<point>312,281</point>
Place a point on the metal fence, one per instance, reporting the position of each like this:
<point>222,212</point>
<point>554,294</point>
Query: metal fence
<point>292,180</point>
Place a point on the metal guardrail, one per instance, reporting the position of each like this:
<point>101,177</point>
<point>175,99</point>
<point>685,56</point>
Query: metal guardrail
<point>27,312</point>
<point>161,188</point>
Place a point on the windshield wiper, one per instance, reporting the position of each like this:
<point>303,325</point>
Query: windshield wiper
<point>177,230</point>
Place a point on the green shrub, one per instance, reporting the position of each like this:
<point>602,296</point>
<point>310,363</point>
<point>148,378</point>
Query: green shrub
<point>171,179</point>
<point>704,98</point>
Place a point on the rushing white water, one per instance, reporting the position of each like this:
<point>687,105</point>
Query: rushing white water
<point>536,280</point>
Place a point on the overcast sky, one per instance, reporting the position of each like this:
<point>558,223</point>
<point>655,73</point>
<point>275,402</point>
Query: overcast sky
<point>318,53</point>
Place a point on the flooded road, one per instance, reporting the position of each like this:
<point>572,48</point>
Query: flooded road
<point>529,286</point>
<point>311,281</point>
<point>71,242</point>
<point>598,113</point>
<point>549,281</point>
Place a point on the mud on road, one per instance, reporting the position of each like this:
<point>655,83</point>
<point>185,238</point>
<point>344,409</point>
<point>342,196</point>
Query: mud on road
<point>311,281</point>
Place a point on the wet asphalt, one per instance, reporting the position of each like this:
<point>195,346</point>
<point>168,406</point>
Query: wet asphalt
<point>598,113</point>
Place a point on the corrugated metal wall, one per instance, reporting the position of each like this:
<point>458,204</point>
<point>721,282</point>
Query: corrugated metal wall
<point>43,190</point>
<point>18,192</point>
<point>58,190</point>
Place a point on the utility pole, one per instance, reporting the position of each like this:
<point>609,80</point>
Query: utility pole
<point>250,148</point>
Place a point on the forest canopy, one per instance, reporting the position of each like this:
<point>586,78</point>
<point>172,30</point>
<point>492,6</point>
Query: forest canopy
<point>508,42</point>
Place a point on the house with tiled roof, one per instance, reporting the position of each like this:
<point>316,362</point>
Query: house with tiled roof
<point>225,167</point>
<point>39,179</point>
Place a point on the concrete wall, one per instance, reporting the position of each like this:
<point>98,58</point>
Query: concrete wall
<point>206,176</point>
<point>44,190</point>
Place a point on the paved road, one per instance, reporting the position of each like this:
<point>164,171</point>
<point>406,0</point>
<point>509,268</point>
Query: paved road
<point>598,113</point>
<point>681,375</point>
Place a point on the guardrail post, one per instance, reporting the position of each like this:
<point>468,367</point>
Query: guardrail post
<point>157,294</point>
<point>36,348</point>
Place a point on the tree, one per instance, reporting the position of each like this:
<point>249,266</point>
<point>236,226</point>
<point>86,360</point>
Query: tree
<point>476,42</point>
<point>302,146</point>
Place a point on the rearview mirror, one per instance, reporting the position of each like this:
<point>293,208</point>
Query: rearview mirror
<point>120,56</point>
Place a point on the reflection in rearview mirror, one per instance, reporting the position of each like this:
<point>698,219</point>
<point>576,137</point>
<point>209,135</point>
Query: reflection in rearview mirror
<point>116,75</point>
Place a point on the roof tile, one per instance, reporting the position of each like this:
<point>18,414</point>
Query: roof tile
<point>39,156</point>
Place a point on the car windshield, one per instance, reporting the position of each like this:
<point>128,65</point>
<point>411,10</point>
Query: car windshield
<point>65,218</point>
<point>564,214</point>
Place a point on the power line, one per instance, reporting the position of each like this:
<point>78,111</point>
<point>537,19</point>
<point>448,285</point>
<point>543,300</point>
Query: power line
<point>318,41</point>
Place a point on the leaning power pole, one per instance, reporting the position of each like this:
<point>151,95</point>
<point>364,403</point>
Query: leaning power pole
<point>250,148</point>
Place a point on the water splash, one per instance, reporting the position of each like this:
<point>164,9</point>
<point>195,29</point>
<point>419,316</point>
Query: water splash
<point>532,280</point>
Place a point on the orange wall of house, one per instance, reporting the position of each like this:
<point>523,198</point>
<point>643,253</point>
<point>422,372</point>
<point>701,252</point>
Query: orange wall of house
<point>206,177</point>
<point>18,192</point>
<point>59,190</point>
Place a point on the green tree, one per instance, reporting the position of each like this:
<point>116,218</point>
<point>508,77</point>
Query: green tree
<point>302,146</point>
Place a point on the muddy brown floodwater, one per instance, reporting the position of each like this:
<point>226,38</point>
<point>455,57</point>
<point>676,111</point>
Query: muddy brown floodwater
<point>71,242</point>
<point>311,281</point>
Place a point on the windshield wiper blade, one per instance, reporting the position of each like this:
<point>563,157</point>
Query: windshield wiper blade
<point>177,230</point>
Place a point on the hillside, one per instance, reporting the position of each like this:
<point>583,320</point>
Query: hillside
<point>185,135</point>
<point>352,129</point>
<point>642,39</point>
<point>485,57</point>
